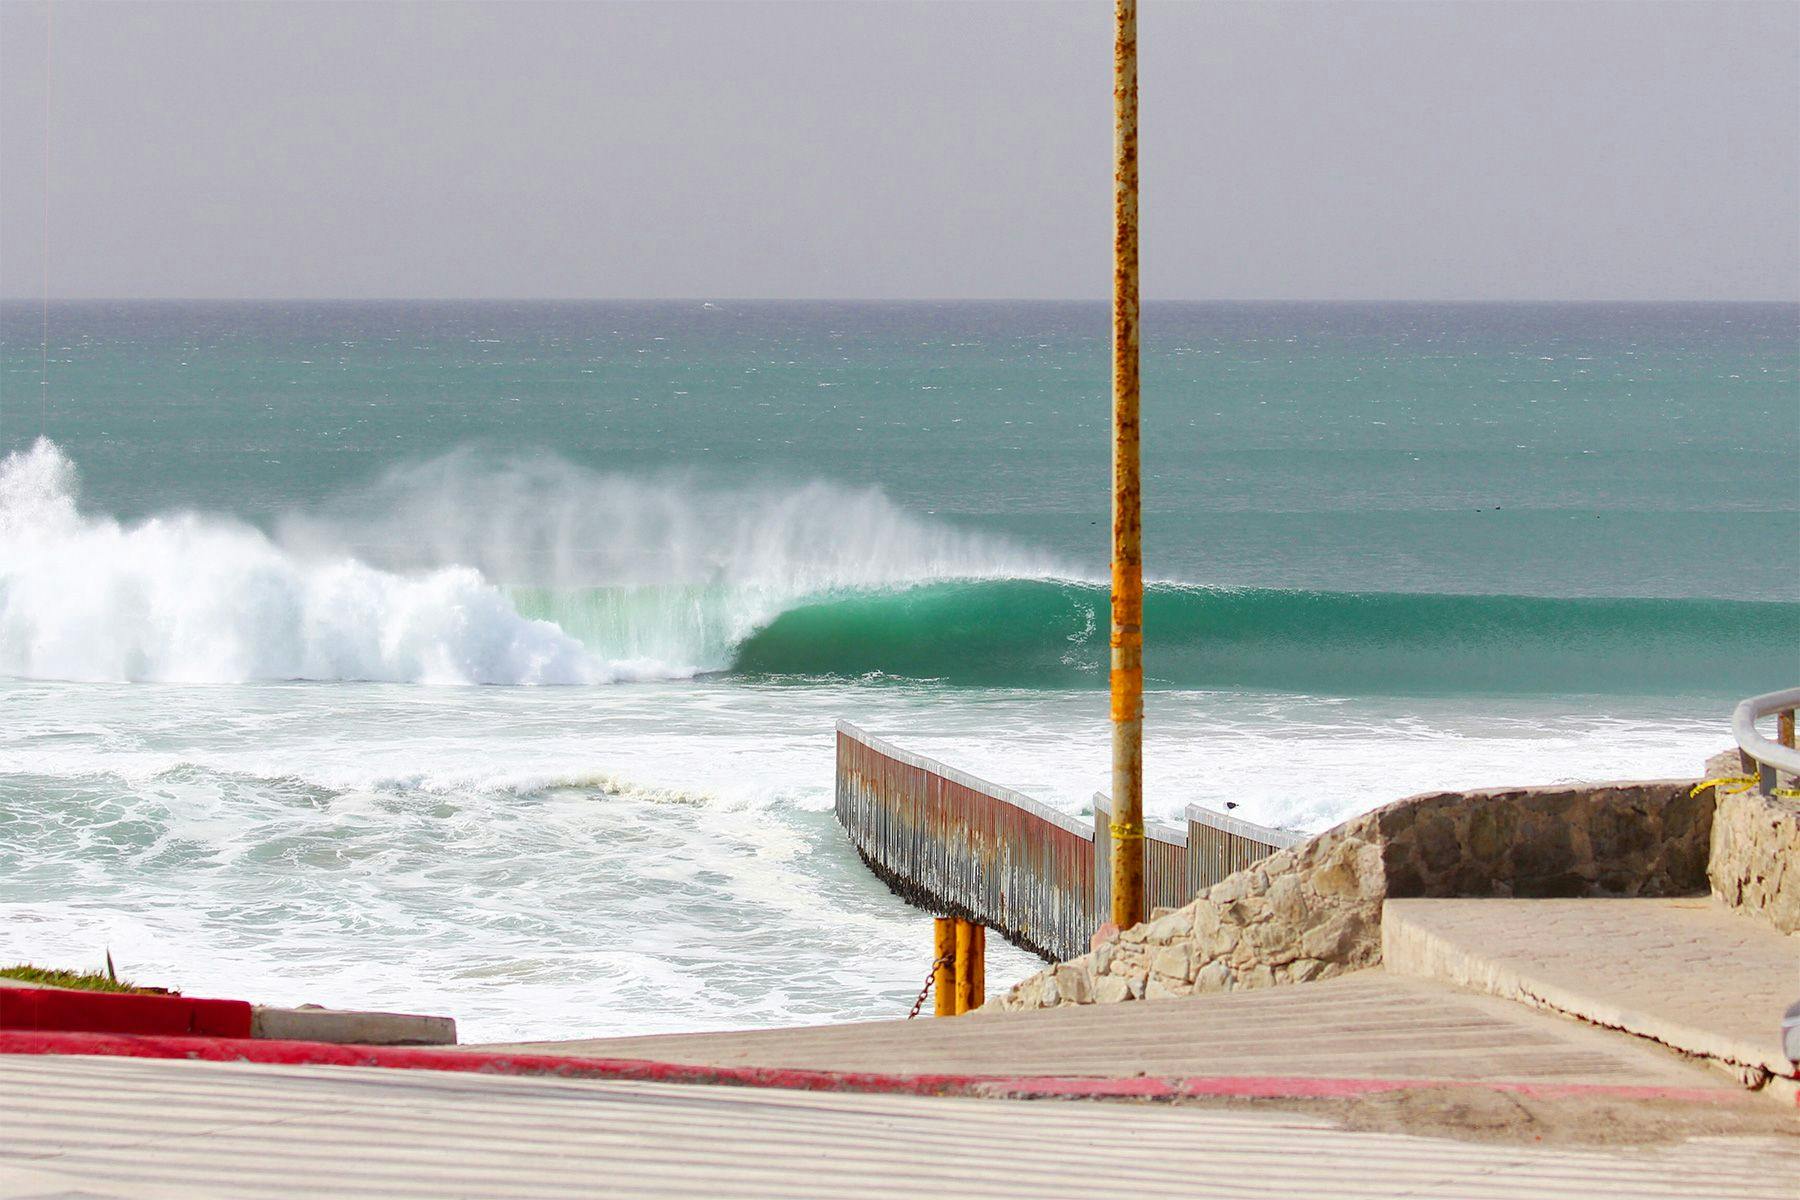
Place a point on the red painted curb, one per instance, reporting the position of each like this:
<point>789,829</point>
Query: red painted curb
<point>641,1070</point>
<point>63,1009</point>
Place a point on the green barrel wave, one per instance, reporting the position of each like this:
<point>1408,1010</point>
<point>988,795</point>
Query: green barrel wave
<point>1036,633</point>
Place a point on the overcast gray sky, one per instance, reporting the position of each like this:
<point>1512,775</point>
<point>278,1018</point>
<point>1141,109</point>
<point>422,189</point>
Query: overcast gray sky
<point>1315,151</point>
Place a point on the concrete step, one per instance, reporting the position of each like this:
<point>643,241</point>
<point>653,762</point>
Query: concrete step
<point>1684,972</point>
<point>351,1027</point>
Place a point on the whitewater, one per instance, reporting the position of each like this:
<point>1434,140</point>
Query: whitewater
<point>663,581</point>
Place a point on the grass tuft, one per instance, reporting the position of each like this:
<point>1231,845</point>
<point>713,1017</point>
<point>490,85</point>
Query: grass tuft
<point>86,981</point>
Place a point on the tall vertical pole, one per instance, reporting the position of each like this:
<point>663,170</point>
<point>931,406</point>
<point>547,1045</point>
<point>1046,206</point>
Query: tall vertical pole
<point>1127,523</point>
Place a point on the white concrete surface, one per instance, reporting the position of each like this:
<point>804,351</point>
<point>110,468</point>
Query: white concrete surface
<point>1684,972</point>
<point>106,1129</point>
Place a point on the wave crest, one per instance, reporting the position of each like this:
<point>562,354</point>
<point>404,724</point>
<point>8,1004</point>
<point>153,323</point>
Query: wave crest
<point>1036,633</point>
<point>422,577</point>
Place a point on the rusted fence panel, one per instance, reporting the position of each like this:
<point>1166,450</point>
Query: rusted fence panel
<point>1167,881</point>
<point>961,846</point>
<point>1218,845</point>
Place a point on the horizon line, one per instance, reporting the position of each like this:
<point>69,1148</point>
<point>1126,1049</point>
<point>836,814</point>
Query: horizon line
<point>1097,300</point>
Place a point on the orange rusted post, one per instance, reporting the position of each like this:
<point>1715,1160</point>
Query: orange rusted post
<point>965,965</point>
<point>944,954</point>
<point>1784,727</point>
<point>1127,523</point>
<point>978,988</point>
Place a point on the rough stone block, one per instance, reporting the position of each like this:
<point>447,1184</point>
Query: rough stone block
<point>1213,977</point>
<point>1261,975</point>
<point>1178,924</point>
<point>1111,989</point>
<point>1334,939</point>
<point>1157,989</point>
<point>1287,898</point>
<point>1229,889</point>
<point>1173,963</point>
<point>1216,939</point>
<point>1073,983</point>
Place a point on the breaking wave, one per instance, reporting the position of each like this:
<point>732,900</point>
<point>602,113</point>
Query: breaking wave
<point>460,570</point>
<point>464,570</point>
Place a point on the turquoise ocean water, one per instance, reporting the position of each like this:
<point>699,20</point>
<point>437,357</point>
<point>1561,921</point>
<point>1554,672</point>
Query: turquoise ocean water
<point>256,560</point>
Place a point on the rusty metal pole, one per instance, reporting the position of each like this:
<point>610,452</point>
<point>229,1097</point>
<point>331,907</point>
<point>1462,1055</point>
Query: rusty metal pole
<point>1127,523</point>
<point>943,952</point>
<point>978,987</point>
<point>965,965</point>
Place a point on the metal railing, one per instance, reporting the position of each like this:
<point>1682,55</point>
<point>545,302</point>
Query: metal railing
<point>958,845</point>
<point>1768,760</point>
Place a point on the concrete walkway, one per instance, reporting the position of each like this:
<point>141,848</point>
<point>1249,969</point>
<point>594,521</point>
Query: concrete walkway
<point>1686,973</point>
<point>1365,1026</point>
<point>108,1129</point>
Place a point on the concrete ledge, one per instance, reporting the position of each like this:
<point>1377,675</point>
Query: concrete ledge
<point>1702,981</point>
<point>343,1027</point>
<point>35,1006</point>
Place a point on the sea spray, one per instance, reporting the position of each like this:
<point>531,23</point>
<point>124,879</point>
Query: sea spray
<point>206,599</point>
<point>539,521</point>
<point>458,570</point>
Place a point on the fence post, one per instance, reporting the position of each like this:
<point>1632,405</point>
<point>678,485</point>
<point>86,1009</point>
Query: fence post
<point>1103,848</point>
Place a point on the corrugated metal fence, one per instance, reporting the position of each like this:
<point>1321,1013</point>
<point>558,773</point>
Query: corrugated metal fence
<point>961,846</point>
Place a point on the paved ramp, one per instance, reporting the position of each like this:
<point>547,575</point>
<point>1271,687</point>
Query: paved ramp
<point>1366,1026</point>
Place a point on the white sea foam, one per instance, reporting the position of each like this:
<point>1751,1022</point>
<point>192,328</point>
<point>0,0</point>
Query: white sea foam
<point>402,581</point>
<point>554,862</point>
<point>206,599</point>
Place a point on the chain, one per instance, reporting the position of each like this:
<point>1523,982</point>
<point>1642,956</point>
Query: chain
<point>930,978</point>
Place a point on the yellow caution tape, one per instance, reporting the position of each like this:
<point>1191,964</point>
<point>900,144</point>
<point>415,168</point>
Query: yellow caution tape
<point>1739,783</point>
<point>1121,831</point>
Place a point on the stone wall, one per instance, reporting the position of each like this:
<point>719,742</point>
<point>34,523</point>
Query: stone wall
<point>1755,860</point>
<point>1314,911</point>
<point>1616,839</point>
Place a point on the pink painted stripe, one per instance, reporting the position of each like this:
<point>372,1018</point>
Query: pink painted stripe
<point>640,1070</point>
